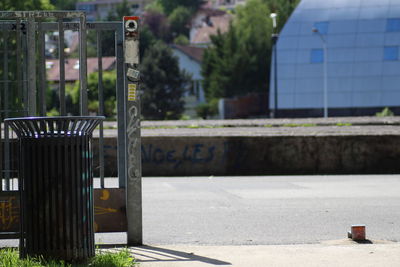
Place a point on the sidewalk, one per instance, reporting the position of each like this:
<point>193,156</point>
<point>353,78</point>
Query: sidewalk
<point>330,254</point>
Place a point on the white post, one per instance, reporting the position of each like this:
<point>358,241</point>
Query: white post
<point>325,80</point>
<point>325,67</point>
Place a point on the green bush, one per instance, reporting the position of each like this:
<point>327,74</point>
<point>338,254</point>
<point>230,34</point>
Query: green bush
<point>385,113</point>
<point>206,110</point>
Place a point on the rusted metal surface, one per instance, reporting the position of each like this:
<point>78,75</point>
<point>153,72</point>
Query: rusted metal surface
<point>109,211</point>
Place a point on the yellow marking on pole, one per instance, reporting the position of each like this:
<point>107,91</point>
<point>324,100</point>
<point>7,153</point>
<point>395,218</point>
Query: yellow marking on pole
<point>132,91</point>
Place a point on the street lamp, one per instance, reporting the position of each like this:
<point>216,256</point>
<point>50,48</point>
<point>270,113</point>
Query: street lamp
<point>274,38</point>
<point>315,30</point>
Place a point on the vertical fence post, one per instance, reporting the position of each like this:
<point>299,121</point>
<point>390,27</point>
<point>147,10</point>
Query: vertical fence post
<point>83,66</point>
<point>134,170</point>
<point>101,105</point>
<point>121,114</point>
<point>61,58</point>
<point>42,70</point>
<point>31,61</point>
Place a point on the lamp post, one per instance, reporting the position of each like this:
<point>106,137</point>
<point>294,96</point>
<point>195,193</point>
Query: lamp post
<point>274,38</point>
<point>325,70</point>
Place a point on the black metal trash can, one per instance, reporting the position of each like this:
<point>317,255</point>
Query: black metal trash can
<point>56,186</point>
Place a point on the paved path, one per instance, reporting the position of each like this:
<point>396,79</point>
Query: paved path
<point>349,255</point>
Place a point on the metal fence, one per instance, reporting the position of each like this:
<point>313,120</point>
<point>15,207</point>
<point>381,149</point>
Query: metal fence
<point>23,80</point>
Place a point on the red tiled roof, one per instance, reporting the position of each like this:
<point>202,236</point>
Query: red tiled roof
<point>72,68</point>
<point>195,53</point>
<point>203,34</point>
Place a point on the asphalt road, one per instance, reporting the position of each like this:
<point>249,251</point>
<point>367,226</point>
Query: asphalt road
<point>269,210</point>
<point>264,210</point>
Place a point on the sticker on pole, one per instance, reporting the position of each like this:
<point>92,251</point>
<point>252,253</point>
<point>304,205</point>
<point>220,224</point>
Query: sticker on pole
<point>132,92</point>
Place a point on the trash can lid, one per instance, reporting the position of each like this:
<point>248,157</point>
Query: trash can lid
<point>54,126</point>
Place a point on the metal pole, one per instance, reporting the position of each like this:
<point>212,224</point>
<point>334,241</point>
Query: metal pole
<point>133,156</point>
<point>42,70</point>
<point>325,70</point>
<point>121,115</point>
<point>101,106</point>
<point>31,67</point>
<point>61,58</point>
<point>325,79</point>
<point>275,39</point>
<point>83,67</point>
<point>18,68</point>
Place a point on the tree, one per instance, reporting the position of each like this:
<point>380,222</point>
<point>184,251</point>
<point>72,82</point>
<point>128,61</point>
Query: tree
<point>64,4</point>
<point>109,88</point>
<point>13,5</point>
<point>158,24</point>
<point>179,20</point>
<point>170,5</point>
<point>147,40</point>
<point>162,84</point>
<point>238,61</point>
<point>283,8</point>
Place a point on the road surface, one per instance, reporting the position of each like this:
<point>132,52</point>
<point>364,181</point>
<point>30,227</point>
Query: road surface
<point>269,210</point>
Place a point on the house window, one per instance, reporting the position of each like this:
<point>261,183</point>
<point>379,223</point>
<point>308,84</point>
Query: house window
<point>393,25</point>
<point>317,56</point>
<point>322,26</point>
<point>391,53</point>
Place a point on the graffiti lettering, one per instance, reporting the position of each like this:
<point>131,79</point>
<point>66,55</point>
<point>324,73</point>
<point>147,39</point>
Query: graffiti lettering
<point>195,154</point>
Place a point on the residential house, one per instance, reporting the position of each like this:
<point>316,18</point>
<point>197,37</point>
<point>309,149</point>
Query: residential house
<point>72,68</point>
<point>190,59</point>
<point>208,22</point>
<point>225,4</point>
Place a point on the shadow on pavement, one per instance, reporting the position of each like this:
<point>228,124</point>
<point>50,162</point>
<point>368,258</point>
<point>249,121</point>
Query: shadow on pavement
<point>156,254</point>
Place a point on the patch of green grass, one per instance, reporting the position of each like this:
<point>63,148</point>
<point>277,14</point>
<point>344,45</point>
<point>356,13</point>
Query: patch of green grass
<point>10,258</point>
<point>120,259</point>
<point>343,124</point>
<point>193,126</point>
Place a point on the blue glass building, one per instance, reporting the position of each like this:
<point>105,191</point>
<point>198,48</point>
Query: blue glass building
<point>362,40</point>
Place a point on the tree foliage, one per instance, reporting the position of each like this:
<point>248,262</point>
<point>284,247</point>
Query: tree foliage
<point>170,5</point>
<point>238,61</point>
<point>283,8</point>
<point>64,4</point>
<point>25,5</point>
<point>163,84</point>
<point>109,88</point>
<point>179,21</point>
<point>158,24</point>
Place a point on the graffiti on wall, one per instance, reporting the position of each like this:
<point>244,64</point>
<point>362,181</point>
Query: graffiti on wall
<point>197,153</point>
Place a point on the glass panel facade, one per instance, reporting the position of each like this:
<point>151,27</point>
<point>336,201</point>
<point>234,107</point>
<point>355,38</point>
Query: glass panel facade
<point>393,25</point>
<point>391,53</point>
<point>317,56</point>
<point>322,26</point>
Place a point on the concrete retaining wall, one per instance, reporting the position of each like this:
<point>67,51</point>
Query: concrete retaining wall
<point>261,155</point>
